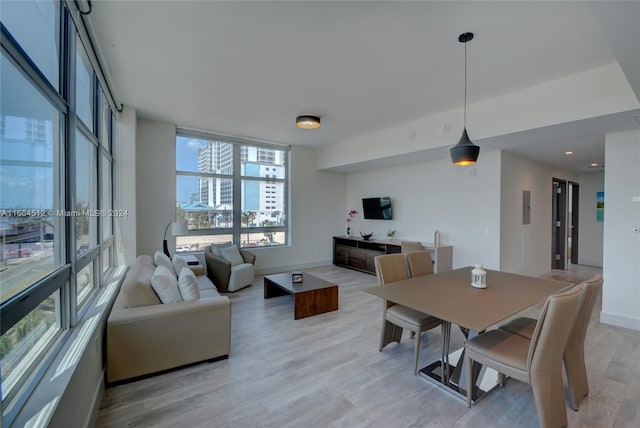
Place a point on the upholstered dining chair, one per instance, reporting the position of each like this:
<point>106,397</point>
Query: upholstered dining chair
<point>407,246</point>
<point>419,263</point>
<point>573,357</point>
<point>538,361</point>
<point>392,268</point>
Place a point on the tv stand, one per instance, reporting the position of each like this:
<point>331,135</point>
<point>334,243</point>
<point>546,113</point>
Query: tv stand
<point>358,254</point>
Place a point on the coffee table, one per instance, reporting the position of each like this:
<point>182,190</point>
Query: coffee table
<point>311,297</point>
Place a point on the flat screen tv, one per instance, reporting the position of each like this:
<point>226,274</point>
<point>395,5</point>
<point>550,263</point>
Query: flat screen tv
<point>377,208</point>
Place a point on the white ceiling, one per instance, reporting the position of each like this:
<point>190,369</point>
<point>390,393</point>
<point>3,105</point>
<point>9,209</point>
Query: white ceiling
<point>249,68</point>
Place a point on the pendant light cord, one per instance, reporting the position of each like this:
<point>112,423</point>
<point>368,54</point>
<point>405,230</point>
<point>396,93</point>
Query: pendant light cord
<point>465,84</point>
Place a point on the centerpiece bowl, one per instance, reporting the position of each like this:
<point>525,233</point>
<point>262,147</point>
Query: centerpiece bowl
<point>366,236</point>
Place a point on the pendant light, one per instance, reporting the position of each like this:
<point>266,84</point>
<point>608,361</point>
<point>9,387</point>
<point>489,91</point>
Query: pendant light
<point>465,152</point>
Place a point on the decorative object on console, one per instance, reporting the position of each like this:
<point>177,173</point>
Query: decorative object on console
<point>478,277</point>
<point>296,277</point>
<point>366,236</point>
<point>391,234</point>
<point>350,215</point>
<point>176,230</point>
<point>436,239</point>
<point>465,152</point>
<point>307,121</point>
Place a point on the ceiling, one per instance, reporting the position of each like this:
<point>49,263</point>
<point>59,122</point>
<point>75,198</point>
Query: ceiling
<point>249,68</point>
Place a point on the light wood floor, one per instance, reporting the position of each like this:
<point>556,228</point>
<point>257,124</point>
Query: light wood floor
<point>326,371</point>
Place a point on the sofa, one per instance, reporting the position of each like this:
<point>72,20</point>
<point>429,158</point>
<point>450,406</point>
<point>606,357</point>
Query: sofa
<point>145,336</point>
<point>228,267</point>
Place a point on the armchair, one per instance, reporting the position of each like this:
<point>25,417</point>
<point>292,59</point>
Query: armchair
<point>226,276</point>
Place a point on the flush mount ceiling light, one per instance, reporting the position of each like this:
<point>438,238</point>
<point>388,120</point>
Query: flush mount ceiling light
<point>307,121</point>
<point>465,152</point>
<point>568,152</point>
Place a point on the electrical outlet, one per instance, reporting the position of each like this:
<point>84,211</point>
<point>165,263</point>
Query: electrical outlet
<point>411,136</point>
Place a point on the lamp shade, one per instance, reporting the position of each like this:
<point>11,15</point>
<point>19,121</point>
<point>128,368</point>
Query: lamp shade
<point>465,152</point>
<point>178,229</point>
<point>308,122</point>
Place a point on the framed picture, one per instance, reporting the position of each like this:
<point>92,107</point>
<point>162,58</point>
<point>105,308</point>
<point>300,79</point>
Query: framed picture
<point>600,206</point>
<point>296,277</point>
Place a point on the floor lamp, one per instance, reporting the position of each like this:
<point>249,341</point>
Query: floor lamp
<point>177,229</point>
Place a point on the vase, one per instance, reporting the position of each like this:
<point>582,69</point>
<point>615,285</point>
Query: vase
<point>348,231</point>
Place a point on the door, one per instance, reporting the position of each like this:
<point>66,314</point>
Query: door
<point>573,230</point>
<point>558,224</point>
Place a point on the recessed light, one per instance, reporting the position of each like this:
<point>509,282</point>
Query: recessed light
<point>593,165</point>
<point>568,152</point>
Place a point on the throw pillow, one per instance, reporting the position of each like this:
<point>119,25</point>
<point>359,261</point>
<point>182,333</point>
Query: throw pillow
<point>161,259</point>
<point>188,285</point>
<point>179,263</point>
<point>215,248</point>
<point>232,255</point>
<point>165,285</point>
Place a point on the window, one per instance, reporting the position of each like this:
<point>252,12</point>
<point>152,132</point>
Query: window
<point>230,190</point>
<point>42,46</point>
<point>55,181</point>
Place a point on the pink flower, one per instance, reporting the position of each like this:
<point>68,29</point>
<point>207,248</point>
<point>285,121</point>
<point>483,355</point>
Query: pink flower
<point>351,214</point>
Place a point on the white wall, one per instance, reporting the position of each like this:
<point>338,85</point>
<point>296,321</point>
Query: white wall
<point>526,249</point>
<point>465,208</point>
<point>621,264</point>
<point>316,215</point>
<point>590,231</point>
<point>316,198</point>
<point>155,184</point>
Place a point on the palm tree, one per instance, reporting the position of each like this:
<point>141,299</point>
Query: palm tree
<point>247,218</point>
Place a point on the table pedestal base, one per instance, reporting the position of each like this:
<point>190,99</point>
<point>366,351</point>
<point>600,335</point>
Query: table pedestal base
<point>487,379</point>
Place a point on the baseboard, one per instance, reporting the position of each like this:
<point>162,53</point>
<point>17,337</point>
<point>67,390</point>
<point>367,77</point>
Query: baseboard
<point>287,268</point>
<point>620,321</point>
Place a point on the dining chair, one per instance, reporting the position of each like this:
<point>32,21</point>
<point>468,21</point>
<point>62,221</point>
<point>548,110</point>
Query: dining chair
<point>573,357</point>
<point>419,263</point>
<point>407,246</point>
<point>538,361</point>
<point>391,268</point>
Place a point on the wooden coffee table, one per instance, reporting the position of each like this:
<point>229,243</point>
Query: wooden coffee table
<point>311,297</point>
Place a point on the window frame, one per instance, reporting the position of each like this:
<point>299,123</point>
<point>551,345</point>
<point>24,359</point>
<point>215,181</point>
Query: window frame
<point>62,280</point>
<point>237,230</point>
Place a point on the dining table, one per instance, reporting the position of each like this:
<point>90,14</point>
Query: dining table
<point>450,297</point>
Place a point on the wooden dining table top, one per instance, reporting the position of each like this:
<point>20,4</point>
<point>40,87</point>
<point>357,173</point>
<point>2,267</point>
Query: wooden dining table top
<point>450,296</point>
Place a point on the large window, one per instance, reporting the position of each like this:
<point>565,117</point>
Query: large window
<point>230,190</point>
<point>56,231</point>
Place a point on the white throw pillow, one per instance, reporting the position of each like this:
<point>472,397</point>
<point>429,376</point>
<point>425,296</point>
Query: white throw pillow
<point>232,255</point>
<point>179,263</point>
<point>188,285</point>
<point>161,259</point>
<point>165,285</point>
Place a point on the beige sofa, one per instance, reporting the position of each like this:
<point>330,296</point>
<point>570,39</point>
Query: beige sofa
<point>145,336</point>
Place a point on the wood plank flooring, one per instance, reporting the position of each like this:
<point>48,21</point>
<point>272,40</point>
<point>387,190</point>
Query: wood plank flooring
<point>326,371</point>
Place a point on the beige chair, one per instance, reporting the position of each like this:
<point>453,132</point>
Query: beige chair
<point>574,363</point>
<point>407,246</point>
<point>537,361</point>
<point>392,268</point>
<point>226,275</point>
<point>419,263</point>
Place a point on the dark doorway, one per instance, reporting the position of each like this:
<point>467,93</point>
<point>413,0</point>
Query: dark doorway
<point>573,230</point>
<point>558,224</point>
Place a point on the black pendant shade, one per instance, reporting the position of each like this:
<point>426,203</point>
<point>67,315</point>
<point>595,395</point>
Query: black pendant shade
<point>465,152</point>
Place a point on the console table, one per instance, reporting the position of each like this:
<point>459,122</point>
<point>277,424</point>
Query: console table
<point>358,254</point>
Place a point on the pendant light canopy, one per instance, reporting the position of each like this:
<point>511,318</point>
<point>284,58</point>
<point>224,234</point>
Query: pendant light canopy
<point>308,122</point>
<point>465,152</point>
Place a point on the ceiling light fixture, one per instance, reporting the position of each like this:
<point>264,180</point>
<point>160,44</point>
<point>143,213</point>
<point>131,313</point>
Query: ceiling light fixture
<point>465,152</point>
<point>568,153</point>
<point>307,121</point>
<point>593,165</point>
